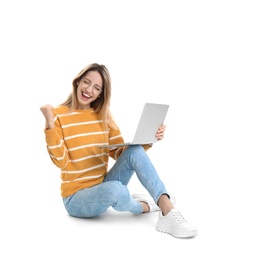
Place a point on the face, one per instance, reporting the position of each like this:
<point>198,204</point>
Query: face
<point>89,89</point>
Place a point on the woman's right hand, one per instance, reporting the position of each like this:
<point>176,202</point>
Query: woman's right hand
<point>47,111</point>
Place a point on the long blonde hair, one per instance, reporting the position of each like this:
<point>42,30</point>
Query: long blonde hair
<point>100,105</point>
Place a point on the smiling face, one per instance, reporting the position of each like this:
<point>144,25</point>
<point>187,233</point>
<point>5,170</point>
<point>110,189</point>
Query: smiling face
<point>89,89</point>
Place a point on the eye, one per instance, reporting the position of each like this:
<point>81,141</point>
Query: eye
<point>98,89</point>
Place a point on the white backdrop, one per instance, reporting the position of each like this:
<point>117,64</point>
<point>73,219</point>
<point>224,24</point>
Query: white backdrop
<point>200,57</point>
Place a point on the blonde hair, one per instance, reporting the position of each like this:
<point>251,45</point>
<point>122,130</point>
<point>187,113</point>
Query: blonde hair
<point>100,105</point>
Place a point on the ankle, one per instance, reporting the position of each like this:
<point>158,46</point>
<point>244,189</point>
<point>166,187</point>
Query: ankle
<point>165,204</point>
<point>145,207</point>
<point>166,210</point>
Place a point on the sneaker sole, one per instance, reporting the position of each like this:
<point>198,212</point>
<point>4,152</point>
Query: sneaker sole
<point>177,234</point>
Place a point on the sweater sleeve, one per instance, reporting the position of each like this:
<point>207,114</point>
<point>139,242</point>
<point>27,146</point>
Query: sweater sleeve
<point>55,145</point>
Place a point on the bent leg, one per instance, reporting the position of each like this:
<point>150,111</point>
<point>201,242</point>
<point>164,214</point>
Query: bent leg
<point>135,159</point>
<point>91,202</point>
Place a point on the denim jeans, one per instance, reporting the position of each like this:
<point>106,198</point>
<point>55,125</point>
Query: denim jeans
<point>113,191</point>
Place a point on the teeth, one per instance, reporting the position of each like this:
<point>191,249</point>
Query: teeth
<point>85,95</point>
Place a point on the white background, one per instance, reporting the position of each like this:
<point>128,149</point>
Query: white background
<point>200,57</point>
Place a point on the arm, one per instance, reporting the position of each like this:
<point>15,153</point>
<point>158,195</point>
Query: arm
<point>54,138</point>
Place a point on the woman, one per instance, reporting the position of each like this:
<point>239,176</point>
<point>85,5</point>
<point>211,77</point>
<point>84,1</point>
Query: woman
<point>75,129</point>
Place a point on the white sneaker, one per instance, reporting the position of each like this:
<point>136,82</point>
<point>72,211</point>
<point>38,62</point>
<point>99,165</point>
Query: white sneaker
<point>149,200</point>
<point>174,224</point>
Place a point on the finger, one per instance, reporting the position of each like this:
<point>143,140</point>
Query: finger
<point>162,128</point>
<point>159,136</point>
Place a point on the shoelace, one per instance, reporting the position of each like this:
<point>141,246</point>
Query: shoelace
<point>177,215</point>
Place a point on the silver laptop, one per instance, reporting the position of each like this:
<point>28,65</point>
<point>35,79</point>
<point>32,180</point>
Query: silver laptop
<point>152,117</point>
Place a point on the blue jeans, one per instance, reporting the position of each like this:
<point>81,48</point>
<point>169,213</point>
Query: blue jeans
<point>113,191</point>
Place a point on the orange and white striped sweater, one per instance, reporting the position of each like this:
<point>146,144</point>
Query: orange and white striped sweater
<point>73,147</point>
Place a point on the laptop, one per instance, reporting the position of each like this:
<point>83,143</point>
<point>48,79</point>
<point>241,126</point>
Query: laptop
<point>152,117</point>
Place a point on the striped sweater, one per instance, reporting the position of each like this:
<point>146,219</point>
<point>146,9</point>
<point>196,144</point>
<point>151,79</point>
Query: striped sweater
<point>73,147</point>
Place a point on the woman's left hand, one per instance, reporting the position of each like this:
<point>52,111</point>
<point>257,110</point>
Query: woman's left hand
<point>160,132</point>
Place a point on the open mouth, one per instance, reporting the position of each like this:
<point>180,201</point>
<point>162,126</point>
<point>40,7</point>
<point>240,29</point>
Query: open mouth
<point>86,96</point>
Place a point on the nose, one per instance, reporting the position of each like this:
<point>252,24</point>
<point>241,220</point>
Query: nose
<point>89,88</point>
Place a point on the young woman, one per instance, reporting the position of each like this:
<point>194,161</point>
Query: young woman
<point>75,130</point>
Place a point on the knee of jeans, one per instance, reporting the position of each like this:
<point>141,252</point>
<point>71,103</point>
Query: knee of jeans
<point>118,188</point>
<point>136,150</point>
<point>120,193</point>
